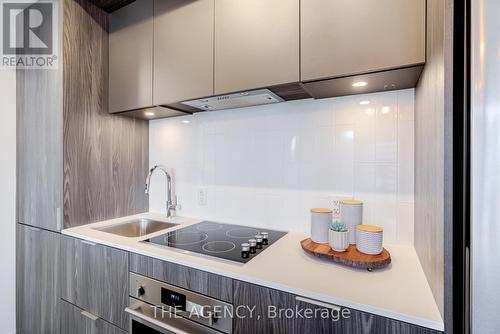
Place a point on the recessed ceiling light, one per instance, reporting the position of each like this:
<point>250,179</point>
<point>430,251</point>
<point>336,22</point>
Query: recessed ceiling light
<point>359,84</point>
<point>185,121</point>
<point>149,113</point>
<point>385,110</point>
<point>363,103</point>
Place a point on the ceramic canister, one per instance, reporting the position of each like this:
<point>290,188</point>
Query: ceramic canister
<point>351,213</point>
<point>320,224</point>
<point>369,239</point>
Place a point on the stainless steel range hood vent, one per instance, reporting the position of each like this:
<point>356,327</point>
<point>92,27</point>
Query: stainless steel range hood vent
<point>235,100</point>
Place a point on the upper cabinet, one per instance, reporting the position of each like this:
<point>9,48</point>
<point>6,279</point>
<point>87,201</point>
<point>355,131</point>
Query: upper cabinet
<point>131,57</point>
<point>346,37</point>
<point>163,53</point>
<point>256,44</point>
<point>183,50</point>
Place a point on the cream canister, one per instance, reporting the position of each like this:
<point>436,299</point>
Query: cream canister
<point>320,224</point>
<point>351,213</point>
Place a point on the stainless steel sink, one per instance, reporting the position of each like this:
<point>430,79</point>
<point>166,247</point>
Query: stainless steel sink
<point>136,227</point>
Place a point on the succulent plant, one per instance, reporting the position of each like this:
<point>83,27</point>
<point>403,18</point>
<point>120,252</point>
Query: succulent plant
<point>338,227</point>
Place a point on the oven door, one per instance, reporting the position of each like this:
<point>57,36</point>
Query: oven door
<point>147,319</point>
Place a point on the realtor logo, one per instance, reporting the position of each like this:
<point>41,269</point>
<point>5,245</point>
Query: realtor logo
<point>29,34</point>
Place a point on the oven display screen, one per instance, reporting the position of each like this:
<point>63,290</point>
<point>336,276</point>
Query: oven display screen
<point>173,299</point>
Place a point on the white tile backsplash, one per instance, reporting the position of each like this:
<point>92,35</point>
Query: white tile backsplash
<point>268,165</point>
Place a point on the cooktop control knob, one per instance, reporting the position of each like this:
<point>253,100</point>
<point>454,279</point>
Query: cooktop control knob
<point>245,250</point>
<point>258,237</point>
<point>265,238</point>
<point>253,245</point>
<point>141,291</point>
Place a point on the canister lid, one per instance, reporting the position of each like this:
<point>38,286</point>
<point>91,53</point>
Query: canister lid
<point>351,202</point>
<point>321,210</point>
<point>369,228</point>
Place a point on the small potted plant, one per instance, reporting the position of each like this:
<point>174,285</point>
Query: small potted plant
<point>338,237</point>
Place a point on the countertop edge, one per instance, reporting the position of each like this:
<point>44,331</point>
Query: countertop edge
<point>439,326</point>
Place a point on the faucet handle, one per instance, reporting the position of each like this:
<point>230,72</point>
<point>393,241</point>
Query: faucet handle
<point>177,205</point>
<point>172,207</point>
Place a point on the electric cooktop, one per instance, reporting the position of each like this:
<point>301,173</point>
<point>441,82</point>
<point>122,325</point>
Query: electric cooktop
<point>225,241</point>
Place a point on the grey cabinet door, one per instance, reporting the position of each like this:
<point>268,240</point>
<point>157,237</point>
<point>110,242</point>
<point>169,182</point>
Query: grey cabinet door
<point>75,320</point>
<point>95,278</point>
<point>39,148</point>
<point>256,44</point>
<point>366,323</point>
<point>264,310</point>
<point>344,37</point>
<point>203,282</point>
<point>72,320</point>
<point>131,57</point>
<point>183,50</point>
<point>37,280</point>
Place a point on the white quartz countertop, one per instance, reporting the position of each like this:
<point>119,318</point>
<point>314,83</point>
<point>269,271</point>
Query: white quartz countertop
<point>399,291</point>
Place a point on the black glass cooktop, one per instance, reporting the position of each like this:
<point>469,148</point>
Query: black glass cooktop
<point>226,241</point>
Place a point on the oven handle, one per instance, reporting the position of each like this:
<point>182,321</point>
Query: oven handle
<point>153,321</point>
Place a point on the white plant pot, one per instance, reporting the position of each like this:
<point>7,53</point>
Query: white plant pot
<point>339,241</point>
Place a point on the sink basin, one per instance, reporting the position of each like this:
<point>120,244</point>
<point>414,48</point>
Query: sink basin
<point>136,228</point>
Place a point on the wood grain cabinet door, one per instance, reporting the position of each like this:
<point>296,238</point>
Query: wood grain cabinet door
<point>183,50</point>
<point>39,148</point>
<point>256,44</point>
<point>131,57</point>
<point>37,281</point>
<point>95,278</point>
<point>72,320</point>
<point>75,320</point>
<point>264,310</point>
<point>199,281</point>
<point>345,37</point>
<point>366,323</point>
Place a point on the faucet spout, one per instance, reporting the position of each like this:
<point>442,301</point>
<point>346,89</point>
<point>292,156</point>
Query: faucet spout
<point>170,204</point>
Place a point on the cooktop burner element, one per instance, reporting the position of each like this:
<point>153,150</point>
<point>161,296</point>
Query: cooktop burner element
<point>186,238</point>
<point>208,226</point>
<point>218,246</point>
<point>226,241</point>
<point>244,232</point>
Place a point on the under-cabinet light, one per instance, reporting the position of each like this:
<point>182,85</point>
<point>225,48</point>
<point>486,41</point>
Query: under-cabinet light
<point>359,84</point>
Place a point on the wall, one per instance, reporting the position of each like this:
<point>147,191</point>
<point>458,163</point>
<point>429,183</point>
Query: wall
<point>268,165</point>
<point>430,162</point>
<point>7,200</point>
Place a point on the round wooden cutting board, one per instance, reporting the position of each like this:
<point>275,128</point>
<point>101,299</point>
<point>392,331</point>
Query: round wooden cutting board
<point>351,257</point>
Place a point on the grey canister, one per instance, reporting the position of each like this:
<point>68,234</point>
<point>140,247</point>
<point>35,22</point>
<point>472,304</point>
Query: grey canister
<point>351,213</point>
<point>320,224</point>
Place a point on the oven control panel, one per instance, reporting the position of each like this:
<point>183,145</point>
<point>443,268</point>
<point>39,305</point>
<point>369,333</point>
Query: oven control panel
<point>170,300</point>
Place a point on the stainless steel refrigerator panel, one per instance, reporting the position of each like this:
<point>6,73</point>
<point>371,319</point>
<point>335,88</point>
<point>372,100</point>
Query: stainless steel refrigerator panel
<point>485,165</point>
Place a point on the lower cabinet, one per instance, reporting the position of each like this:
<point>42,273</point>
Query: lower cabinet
<point>199,281</point>
<point>37,298</point>
<point>95,278</point>
<point>366,323</point>
<point>74,320</point>
<point>264,310</point>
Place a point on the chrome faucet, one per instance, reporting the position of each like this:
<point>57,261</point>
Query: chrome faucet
<point>171,204</point>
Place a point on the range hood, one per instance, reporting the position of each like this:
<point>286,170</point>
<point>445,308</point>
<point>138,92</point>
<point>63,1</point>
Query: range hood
<point>378,81</point>
<point>235,100</point>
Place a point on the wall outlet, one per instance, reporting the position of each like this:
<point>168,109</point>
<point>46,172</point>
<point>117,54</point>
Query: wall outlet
<point>202,197</point>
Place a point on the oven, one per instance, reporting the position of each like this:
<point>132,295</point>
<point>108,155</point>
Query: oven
<point>157,307</point>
